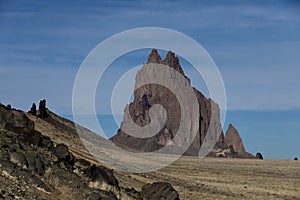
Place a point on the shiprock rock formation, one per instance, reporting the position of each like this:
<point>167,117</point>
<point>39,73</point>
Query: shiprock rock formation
<point>151,94</point>
<point>41,158</point>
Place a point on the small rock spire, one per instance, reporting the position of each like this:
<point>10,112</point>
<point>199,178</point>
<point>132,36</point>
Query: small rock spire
<point>42,109</point>
<point>32,109</point>
<point>154,57</point>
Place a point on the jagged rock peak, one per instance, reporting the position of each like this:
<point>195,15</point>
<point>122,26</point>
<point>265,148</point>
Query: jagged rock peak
<point>171,60</point>
<point>233,139</point>
<point>154,57</point>
<point>42,109</point>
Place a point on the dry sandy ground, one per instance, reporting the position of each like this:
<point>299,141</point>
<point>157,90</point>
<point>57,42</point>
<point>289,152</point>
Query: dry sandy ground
<point>195,178</point>
<point>215,178</point>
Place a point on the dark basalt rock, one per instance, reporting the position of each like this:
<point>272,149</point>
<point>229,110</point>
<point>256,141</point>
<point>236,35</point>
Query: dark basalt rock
<point>62,152</point>
<point>37,139</point>
<point>101,174</point>
<point>19,159</point>
<point>63,156</point>
<point>295,158</point>
<point>31,162</point>
<point>40,166</point>
<point>82,163</point>
<point>33,109</point>
<point>259,156</point>
<point>14,120</point>
<point>7,166</point>
<point>42,109</point>
<point>159,190</point>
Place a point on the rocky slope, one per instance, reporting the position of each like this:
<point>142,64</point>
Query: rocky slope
<point>150,94</point>
<point>43,165</point>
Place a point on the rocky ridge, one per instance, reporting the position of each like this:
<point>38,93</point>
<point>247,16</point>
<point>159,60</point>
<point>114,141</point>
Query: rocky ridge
<point>33,166</point>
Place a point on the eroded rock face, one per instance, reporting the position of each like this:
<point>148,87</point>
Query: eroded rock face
<point>150,94</point>
<point>232,138</point>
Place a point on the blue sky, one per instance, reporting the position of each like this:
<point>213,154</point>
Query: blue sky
<point>255,45</point>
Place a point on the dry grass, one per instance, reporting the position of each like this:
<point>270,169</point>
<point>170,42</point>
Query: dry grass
<point>213,178</point>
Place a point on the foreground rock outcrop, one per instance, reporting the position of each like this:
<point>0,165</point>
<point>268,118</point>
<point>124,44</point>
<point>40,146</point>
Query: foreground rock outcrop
<point>209,113</point>
<point>32,166</point>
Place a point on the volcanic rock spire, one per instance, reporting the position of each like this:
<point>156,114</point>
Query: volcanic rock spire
<point>151,94</point>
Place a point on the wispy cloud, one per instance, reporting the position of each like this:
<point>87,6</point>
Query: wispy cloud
<point>254,44</point>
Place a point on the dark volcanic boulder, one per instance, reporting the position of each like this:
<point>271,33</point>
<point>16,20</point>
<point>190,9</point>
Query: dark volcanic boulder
<point>82,163</point>
<point>259,156</point>
<point>62,152</point>
<point>295,158</point>
<point>7,166</point>
<point>159,190</point>
<point>37,139</point>
<point>102,178</point>
<point>40,166</point>
<point>19,159</point>
<point>63,156</point>
<point>35,164</point>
